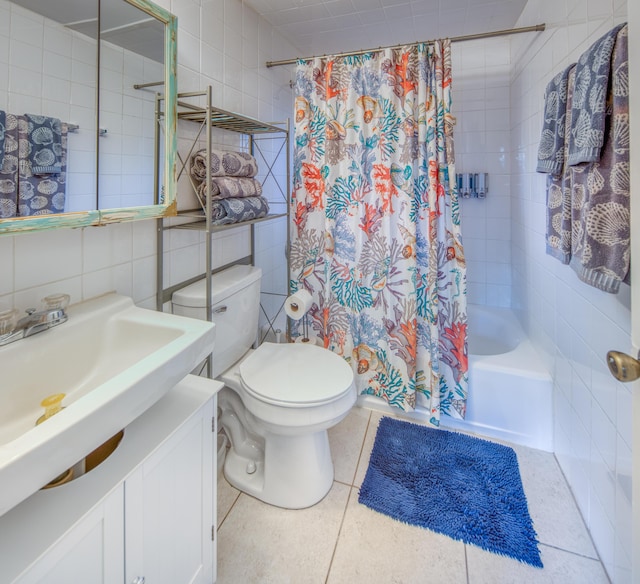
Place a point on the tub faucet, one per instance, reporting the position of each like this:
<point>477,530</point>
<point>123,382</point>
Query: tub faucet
<point>36,321</point>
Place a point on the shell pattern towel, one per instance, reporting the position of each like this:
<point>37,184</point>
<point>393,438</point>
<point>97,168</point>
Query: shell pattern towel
<point>588,219</point>
<point>226,187</point>
<point>44,144</point>
<point>236,210</point>
<point>40,193</point>
<point>590,97</point>
<point>235,195</point>
<point>223,163</point>
<point>551,149</point>
<point>9,169</point>
<point>23,192</point>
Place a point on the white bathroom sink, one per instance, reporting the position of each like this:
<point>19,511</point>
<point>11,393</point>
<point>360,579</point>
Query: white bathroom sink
<point>113,361</point>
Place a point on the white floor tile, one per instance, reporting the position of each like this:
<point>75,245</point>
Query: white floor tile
<point>340,541</point>
<point>259,543</point>
<point>227,496</point>
<point>345,440</point>
<point>375,548</point>
<point>560,567</point>
<point>554,512</point>
<point>367,447</point>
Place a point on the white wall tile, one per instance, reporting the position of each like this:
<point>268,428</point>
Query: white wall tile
<point>6,266</point>
<point>49,257</point>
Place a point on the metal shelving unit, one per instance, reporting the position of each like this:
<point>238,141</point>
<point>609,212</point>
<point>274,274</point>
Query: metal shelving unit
<point>209,118</point>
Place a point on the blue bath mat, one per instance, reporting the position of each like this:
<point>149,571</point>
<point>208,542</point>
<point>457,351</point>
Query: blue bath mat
<point>457,485</point>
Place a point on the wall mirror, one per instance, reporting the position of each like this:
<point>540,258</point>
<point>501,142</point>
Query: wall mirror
<point>105,69</point>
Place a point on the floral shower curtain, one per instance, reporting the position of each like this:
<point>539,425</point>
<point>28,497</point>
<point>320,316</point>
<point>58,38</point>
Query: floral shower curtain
<point>376,235</point>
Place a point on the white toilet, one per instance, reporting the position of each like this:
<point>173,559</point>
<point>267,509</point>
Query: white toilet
<point>279,399</point>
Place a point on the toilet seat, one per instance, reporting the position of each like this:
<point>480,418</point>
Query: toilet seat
<point>295,375</point>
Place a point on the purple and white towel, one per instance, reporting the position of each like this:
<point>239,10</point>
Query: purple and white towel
<point>588,219</point>
<point>559,193</point>
<point>45,144</point>
<point>600,192</point>
<point>40,194</point>
<point>223,163</point>
<point>589,108</point>
<point>9,169</point>
<point>227,211</point>
<point>226,187</point>
<point>551,150</point>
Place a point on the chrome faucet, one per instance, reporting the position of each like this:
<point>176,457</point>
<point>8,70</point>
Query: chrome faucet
<point>35,322</point>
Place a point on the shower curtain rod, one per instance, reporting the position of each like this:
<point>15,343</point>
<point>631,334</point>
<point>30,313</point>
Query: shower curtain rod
<point>468,37</point>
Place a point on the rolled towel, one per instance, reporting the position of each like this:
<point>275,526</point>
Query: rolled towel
<point>226,211</point>
<point>552,141</point>
<point>223,163</point>
<point>45,144</point>
<point>589,108</point>
<point>226,187</point>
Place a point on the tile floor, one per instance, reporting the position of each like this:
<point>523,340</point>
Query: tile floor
<point>339,541</point>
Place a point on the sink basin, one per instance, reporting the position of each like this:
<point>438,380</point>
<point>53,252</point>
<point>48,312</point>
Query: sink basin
<point>113,361</point>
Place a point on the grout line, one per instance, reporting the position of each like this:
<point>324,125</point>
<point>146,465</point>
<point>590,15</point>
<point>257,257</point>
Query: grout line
<point>335,547</point>
<point>364,439</point>
<point>351,488</point>
<point>230,508</point>
<point>579,555</point>
<point>466,563</point>
<point>584,521</point>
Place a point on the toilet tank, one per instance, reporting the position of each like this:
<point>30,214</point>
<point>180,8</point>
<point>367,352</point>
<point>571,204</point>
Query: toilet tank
<point>235,298</point>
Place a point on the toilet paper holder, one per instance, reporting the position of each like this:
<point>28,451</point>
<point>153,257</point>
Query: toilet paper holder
<point>296,307</point>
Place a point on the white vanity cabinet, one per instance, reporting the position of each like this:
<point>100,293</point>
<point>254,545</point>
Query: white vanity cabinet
<point>145,515</point>
<point>91,551</point>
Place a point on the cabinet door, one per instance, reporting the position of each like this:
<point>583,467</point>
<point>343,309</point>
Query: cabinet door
<point>92,551</point>
<point>169,510</point>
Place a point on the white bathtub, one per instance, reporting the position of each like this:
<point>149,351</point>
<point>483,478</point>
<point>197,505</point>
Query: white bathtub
<point>510,390</point>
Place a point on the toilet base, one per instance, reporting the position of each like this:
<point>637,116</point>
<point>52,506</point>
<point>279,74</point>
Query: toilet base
<point>296,471</point>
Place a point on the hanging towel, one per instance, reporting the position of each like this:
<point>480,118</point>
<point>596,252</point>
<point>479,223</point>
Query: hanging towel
<point>9,169</point>
<point>551,150</point>
<point>558,234</point>
<point>600,250</point>
<point>226,187</point>
<point>590,100</point>
<point>228,211</point>
<point>45,144</point>
<point>40,194</point>
<point>223,163</point>
<point>3,125</point>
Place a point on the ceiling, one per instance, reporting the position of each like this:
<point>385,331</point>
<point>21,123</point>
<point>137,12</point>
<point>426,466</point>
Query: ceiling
<point>317,27</point>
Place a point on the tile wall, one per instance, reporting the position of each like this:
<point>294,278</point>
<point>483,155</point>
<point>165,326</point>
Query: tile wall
<point>572,324</point>
<point>481,106</point>
<point>220,42</point>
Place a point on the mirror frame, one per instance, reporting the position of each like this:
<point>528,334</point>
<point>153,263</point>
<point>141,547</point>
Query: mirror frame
<point>13,226</point>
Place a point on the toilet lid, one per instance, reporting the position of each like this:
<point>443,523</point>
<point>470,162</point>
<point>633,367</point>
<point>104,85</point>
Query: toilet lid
<point>295,374</point>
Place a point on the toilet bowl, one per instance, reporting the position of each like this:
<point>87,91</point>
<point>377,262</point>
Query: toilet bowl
<point>279,400</point>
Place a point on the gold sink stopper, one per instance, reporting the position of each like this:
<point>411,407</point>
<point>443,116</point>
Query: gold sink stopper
<point>52,404</point>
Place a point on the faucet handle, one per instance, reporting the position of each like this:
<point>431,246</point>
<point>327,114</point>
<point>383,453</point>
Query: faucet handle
<point>56,302</point>
<point>8,320</point>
